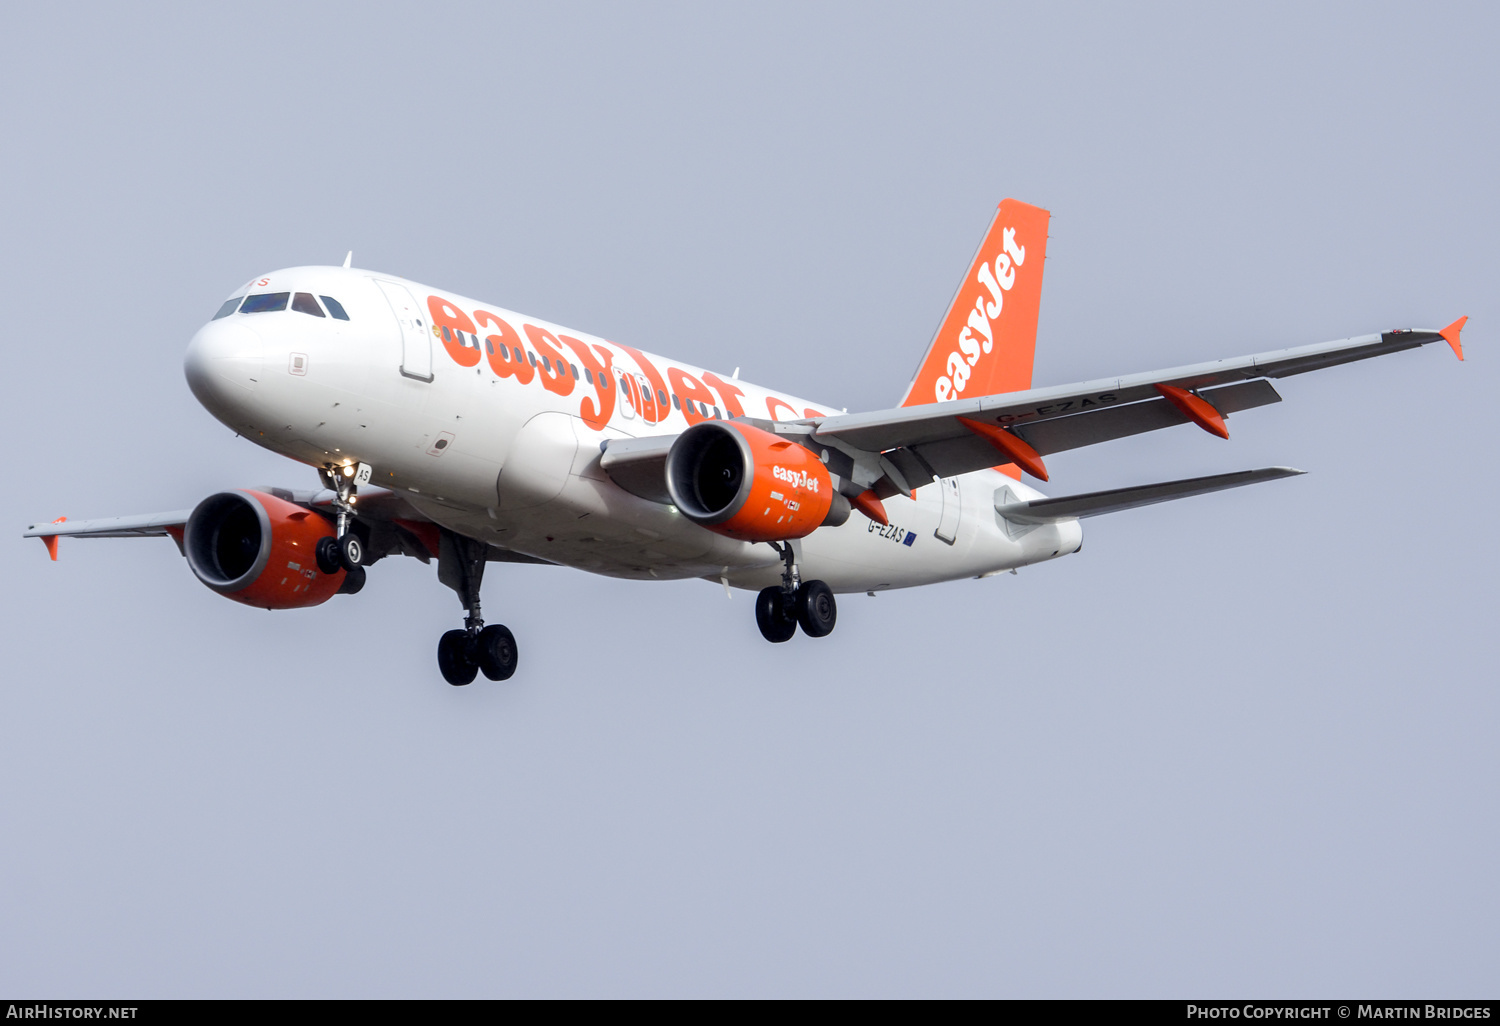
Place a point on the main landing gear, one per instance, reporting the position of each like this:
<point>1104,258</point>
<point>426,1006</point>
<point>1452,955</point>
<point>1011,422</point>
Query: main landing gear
<point>462,654</point>
<point>779,609</point>
<point>465,653</point>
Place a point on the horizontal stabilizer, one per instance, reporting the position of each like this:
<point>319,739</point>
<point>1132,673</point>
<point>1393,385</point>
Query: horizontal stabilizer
<point>1092,504</point>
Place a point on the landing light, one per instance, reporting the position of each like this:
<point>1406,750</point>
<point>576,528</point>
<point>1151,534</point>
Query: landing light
<point>348,471</point>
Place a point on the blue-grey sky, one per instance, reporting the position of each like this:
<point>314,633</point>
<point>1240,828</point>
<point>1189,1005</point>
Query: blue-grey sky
<point>1241,744</point>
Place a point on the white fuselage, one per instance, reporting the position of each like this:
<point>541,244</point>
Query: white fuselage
<point>452,427</point>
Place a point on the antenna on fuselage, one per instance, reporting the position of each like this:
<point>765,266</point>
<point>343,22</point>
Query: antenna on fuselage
<point>348,257</point>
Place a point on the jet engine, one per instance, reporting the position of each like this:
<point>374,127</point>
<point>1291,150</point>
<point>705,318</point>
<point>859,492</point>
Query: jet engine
<point>750,484</point>
<point>259,550</point>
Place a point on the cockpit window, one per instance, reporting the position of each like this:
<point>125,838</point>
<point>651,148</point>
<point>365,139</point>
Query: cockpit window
<point>265,302</point>
<point>230,305</point>
<point>334,307</point>
<point>303,302</point>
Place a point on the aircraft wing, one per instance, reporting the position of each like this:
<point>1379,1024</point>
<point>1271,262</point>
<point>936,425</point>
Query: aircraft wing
<point>912,445</point>
<point>148,525</point>
<point>374,503</point>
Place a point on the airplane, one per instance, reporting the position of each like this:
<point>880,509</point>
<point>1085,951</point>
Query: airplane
<point>448,429</point>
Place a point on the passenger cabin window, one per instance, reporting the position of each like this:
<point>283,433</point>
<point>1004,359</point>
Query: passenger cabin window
<point>303,302</point>
<point>336,309</point>
<point>229,307</point>
<point>266,302</point>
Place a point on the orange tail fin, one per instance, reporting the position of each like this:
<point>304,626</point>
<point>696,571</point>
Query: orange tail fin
<point>988,337</point>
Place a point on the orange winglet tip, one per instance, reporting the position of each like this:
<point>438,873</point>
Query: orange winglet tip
<point>868,503</point>
<point>50,540</point>
<point>1196,409</point>
<point>1451,332</point>
<point>1021,454</point>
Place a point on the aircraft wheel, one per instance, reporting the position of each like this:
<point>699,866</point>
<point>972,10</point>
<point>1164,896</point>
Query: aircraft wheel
<point>457,667</point>
<point>326,554</point>
<point>353,581</point>
<point>351,551</point>
<point>772,615</point>
<point>817,611</point>
<point>495,651</point>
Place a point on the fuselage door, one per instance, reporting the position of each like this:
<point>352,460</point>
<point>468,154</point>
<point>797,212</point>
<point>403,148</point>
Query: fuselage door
<point>643,394</point>
<point>416,345</point>
<point>947,529</point>
<point>626,403</point>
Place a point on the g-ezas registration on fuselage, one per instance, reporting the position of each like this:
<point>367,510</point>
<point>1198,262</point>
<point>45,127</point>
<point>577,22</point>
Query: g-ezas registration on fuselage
<point>453,430</point>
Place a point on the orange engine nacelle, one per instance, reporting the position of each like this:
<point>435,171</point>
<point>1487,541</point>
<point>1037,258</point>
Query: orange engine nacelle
<point>750,484</point>
<point>259,550</point>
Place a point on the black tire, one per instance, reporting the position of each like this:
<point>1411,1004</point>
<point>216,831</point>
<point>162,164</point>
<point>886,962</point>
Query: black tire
<point>351,551</point>
<point>353,581</point>
<point>817,611</point>
<point>496,652</point>
<point>772,616</point>
<point>453,659</point>
<point>326,554</point>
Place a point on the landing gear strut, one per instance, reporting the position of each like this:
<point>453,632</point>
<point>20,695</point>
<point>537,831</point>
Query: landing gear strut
<point>779,609</point>
<point>463,654</point>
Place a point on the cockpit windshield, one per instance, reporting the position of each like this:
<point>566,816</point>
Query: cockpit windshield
<point>305,303</point>
<point>271,302</point>
<point>266,302</point>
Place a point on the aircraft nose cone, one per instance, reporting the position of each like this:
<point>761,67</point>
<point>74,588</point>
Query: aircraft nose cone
<point>223,365</point>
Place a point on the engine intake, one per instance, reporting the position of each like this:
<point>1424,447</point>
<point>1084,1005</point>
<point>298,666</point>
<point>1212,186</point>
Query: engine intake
<point>747,483</point>
<point>259,550</point>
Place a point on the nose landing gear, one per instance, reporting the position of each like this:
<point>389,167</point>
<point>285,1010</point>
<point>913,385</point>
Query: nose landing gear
<point>345,551</point>
<point>464,654</point>
<point>780,609</point>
